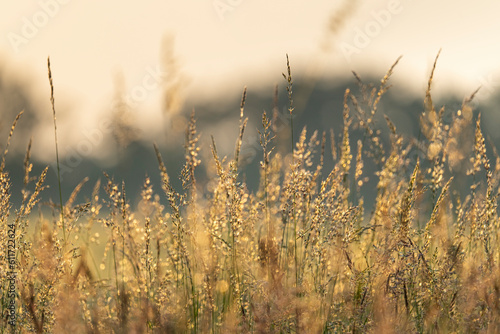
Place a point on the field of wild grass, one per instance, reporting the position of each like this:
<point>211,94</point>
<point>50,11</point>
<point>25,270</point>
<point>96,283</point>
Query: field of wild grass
<point>303,254</point>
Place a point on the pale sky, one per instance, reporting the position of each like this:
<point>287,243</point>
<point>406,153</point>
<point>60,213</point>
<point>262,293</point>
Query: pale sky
<point>222,45</point>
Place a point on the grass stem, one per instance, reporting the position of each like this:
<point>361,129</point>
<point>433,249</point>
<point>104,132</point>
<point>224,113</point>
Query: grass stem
<point>52,101</point>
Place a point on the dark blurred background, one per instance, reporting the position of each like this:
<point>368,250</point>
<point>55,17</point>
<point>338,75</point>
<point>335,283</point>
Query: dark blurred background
<point>127,75</point>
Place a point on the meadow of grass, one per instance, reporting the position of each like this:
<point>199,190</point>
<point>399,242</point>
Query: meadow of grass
<point>302,254</point>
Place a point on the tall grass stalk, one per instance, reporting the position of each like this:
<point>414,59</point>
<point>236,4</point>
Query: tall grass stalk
<point>294,167</point>
<point>52,102</point>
